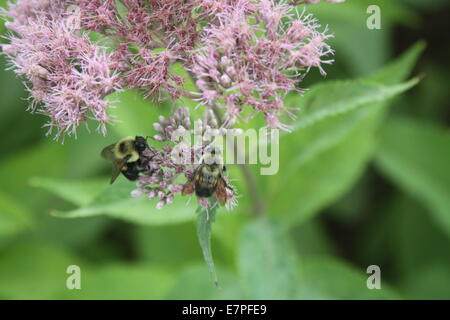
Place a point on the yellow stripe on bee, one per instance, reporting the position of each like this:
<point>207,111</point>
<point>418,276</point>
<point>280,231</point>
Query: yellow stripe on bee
<point>134,156</point>
<point>128,144</point>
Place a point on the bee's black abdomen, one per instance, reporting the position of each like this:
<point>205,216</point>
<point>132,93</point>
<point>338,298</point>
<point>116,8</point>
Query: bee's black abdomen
<point>131,172</point>
<point>203,192</point>
<point>131,175</point>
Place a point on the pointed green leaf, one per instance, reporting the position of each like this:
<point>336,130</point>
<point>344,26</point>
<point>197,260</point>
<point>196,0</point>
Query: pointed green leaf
<point>267,262</point>
<point>13,216</point>
<point>194,284</point>
<point>328,278</point>
<point>416,157</point>
<point>115,201</point>
<point>334,141</point>
<point>77,192</point>
<point>332,99</point>
<point>205,219</point>
<point>400,68</point>
<point>34,271</point>
<point>120,281</point>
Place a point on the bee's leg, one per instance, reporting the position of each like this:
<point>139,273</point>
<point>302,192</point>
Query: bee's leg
<point>214,205</point>
<point>189,201</point>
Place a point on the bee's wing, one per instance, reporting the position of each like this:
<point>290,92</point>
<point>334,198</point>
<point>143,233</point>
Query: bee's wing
<point>108,153</point>
<point>117,168</point>
<point>221,191</point>
<point>189,186</point>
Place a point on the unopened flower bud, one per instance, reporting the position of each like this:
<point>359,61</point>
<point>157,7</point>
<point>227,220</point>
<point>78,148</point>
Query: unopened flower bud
<point>136,193</point>
<point>225,81</point>
<point>225,62</point>
<point>231,71</point>
<point>160,204</point>
<point>157,126</point>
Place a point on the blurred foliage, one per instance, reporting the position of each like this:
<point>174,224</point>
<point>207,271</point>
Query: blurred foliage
<point>363,180</point>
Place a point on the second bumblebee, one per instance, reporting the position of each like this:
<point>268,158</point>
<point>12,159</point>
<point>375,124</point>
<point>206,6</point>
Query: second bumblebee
<point>208,178</point>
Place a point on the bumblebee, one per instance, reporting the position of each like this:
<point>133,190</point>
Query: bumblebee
<point>126,156</point>
<point>208,180</point>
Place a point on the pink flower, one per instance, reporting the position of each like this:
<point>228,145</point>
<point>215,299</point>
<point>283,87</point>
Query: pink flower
<point>241,53</point>
<point>253,58</point>
<point>314,1</point>
<point>204,203</point>
<point>69,74</point>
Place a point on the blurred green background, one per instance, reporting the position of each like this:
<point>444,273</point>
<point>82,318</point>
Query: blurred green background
<point>367,186</point>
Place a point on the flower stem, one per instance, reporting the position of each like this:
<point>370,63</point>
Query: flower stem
<point>259,209</point>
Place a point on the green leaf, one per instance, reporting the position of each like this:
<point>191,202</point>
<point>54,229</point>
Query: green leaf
<point>14,218</point>
<point>266,261</point>
<point>306,185</point>
<point>80,193</point>
<point>34,271</point>
<point>122,282</point>
<point>334,98</point>
<point>182,236</point>
<point>416,156</point>
<point>328,278</point>
<point>39,271</point>
<point>227,226</point>
<point>406,237</point>
<point>16,170</point>
<point>429,282</point>
<point>312,239</point>
<point>205,219</point>
<point>115,201</point>
<point>399,69</point>
<point>194,284</point>
<point>333,143</point>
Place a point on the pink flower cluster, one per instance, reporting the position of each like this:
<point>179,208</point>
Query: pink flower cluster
<point>240,53</point>
<point>254,55</point>
<point>68,74</point>
<point>314,1</point>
